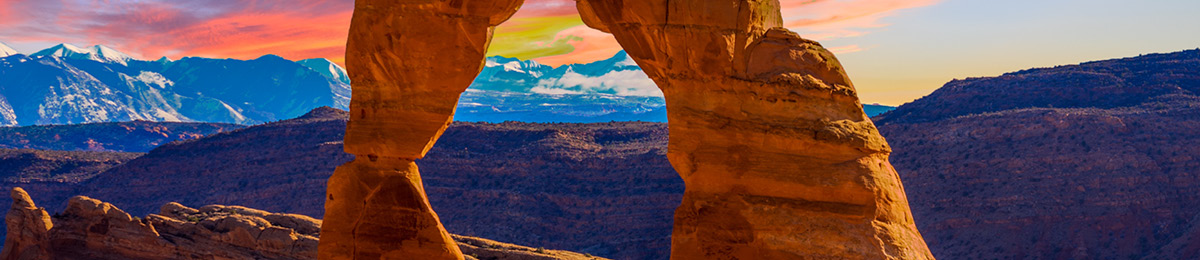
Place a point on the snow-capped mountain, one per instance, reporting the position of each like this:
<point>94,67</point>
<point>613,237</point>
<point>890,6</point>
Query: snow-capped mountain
<point>328,68</point>
<point>618,75</point>
<point>66,84</point>
<point>98,53</point>
<point>6,51</point>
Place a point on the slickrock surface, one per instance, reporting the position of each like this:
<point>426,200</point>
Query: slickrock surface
<point>1090,161</point>
<point>779,160</point>
<point>92,229</point>
<point>409,62</point>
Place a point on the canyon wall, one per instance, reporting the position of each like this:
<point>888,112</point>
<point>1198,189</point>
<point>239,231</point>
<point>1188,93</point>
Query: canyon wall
<point>767,132</point>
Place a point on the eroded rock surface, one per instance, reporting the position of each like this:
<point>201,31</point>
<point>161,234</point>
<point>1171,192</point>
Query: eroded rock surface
<point>779,160</point>
<point>92,229</point>
<point>409,62</point>
<point>28,226</point>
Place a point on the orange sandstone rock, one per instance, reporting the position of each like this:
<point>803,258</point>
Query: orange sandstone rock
<point>92,229</point>
<point>410,61</point>
<point>28,227</point>
<point>779,160</point>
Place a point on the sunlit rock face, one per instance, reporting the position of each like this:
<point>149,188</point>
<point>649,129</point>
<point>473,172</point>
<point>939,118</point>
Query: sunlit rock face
<point>766,129</point>
<point>409,62</point>
<point>779,160</point>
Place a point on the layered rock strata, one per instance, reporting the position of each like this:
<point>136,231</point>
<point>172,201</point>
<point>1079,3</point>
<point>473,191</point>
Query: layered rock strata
<point>92,229</point>
<point>779,160</point>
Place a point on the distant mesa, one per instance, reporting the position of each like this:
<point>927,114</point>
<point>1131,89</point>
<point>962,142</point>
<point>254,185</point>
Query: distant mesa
<point>1090,161</point>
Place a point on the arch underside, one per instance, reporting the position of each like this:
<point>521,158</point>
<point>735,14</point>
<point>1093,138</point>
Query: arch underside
<point>766,130</point>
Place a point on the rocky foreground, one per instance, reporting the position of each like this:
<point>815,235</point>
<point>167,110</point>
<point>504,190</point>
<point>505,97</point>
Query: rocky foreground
<point>92,229</point>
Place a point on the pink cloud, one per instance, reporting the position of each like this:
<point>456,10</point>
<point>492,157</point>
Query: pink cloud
<point>294,29</point>
<point>845,49</point>
<point>593,45</point>
<point>298,29</point>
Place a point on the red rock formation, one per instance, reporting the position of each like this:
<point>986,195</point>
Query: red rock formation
<point>92,229</point>
<point>766,130</point>
<point>779,160</point>
<point>409,62</point>
<point>28,226</point>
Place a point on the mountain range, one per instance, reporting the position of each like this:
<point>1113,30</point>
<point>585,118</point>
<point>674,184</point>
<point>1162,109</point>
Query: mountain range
<point>65,84</point>
<point>993,169</point>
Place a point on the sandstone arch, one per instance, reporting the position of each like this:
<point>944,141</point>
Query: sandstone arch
<point>779,160</point>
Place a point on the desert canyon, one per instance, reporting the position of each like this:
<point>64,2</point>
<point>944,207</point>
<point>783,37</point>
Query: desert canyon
<point>766,130</point>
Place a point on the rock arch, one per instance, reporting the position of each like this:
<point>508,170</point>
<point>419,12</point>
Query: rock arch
<point>766,130</point>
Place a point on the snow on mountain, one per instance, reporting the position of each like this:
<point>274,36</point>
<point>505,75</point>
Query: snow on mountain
<point>6,51</point>
<point>98,53</point>
<point>66,84</point>
<point>618,75</point>
<point>328,68</point>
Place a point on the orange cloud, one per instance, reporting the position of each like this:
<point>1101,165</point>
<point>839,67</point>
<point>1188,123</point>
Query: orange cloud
<point>592,45</point>
<point>830,19</point>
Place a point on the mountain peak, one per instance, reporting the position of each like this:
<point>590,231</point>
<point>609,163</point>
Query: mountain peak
<point>327,68</point>
<point>98,53</point>
<point>326,112</point>
<point>271,57</point>
<point>6,51</point>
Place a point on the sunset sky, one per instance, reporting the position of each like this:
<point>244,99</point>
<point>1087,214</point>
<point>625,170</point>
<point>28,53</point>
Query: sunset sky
<point>894,50</point>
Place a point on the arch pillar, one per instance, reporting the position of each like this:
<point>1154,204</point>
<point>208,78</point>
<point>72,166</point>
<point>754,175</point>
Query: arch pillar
<point>409,61</point>
<point>767,132</point>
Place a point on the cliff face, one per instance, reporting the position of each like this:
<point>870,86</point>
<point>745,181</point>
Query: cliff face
<point>1089,161</point>
<point>92,229</point>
